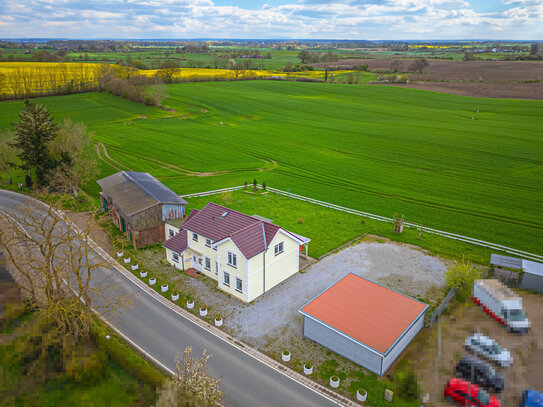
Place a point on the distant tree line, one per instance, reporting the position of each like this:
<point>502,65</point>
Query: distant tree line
<point>307,57</point>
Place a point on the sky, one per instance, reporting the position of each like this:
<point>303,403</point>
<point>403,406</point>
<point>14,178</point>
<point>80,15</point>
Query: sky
<point>273,19</point>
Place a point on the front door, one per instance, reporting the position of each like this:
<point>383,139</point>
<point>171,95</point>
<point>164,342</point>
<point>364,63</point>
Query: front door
<point>197,262</point>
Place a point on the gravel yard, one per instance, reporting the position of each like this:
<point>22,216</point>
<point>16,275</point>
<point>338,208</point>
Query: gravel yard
<point>401,267</point>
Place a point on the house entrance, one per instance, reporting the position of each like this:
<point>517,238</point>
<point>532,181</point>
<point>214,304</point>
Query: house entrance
<point>197,262</point>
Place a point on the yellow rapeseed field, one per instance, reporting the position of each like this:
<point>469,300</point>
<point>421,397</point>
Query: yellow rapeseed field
<point>35,78</point>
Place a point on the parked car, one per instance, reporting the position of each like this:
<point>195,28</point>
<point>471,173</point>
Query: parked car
<point>464,393</point>
<point>479,372</point>
<point>531,398</point>
<point>488,348</point>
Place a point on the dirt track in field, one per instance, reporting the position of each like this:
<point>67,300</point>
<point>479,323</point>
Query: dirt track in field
<point>496,79</point>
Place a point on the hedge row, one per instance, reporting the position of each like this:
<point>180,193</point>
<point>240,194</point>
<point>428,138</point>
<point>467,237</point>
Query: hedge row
<point>125,357</point>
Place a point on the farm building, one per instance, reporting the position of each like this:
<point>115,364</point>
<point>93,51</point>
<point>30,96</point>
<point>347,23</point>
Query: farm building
<point>139,205</point>
<point>363,321</point>
<point>247,256</point>
<point>524,273</point>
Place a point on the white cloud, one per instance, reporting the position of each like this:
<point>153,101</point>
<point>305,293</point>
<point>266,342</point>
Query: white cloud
<point>368,19</point>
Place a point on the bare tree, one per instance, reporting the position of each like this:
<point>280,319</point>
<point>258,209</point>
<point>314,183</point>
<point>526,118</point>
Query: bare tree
<point>419,65</point>
<point>77,161</point>
<point>56,267</point>
<point>167,70</point>
<point>237,68</point>
<point>191,379</point>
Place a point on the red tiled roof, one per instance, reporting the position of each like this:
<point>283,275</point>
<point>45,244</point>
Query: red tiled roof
<point>178,243</point>
<point>245,231</point>
<point>366,311</point>
<point>192,213</point>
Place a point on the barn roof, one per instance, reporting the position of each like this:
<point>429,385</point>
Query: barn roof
<point>133,192</point>
<point>367,312</point>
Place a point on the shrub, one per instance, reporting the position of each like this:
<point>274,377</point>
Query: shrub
<point>226,198</point>
<point>463,275</point>
<point>408,386</point>
<point>86,368</point>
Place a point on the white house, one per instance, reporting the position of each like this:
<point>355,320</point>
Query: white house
<point>247,256</point>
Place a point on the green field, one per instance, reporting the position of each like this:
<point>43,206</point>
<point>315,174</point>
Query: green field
<point>379,149</point>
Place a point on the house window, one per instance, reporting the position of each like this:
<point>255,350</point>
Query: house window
<point>208,242</point>
<point>171,233</point>
<point>207,263</point>
<point>226,278</point>
<point>217,267</point>
<point>175,257</point>
<point>232,260</point>
<point>279,248</point>
<point>239,284</point>
<point>195,237</point>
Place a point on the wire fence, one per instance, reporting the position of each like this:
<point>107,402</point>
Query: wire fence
<point>430,320</point>
<point>448,235</point>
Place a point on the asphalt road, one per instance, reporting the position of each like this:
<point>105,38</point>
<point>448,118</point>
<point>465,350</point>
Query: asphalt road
<point>163,334</point>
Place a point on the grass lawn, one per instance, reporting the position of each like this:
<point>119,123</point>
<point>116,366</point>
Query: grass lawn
<point>374,148</point>
<point>329,229</point>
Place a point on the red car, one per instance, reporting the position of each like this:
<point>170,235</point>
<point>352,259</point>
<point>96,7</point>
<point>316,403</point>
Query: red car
<point>466,394</point>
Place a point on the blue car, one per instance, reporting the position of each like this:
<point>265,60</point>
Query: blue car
<point>531,398</point>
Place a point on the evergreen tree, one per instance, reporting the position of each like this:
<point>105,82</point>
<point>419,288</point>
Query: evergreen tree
<point>32,133</point>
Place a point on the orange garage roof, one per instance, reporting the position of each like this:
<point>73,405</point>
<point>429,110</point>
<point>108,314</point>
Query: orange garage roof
<point>366,311</point>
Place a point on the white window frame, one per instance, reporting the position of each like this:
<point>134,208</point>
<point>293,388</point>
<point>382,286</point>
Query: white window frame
<point>195,236</point>
<point>232,259</point>
<point>279,248</point>
<point>208,242</point>
<point>171,233</point>
<point>226,275</point>
<point>175,257</point>
<point>240,282</point>
<point>217,268</point>
<point>206,260</point>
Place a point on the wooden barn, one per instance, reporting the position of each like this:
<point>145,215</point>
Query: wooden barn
<point>139,205</point>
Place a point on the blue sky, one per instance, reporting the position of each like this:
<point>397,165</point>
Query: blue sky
<point>309,19</point>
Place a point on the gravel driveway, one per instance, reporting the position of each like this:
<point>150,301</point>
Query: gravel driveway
<point>401,267</point>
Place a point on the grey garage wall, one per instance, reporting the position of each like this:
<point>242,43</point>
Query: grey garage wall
<point>403,342</point>
<point>324,335</point>
<point>532,282</point>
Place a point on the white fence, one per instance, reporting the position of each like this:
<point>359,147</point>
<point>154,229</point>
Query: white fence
<point>449,235</point>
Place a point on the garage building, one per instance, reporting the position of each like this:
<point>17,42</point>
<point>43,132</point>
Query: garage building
<point>363,321</point>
